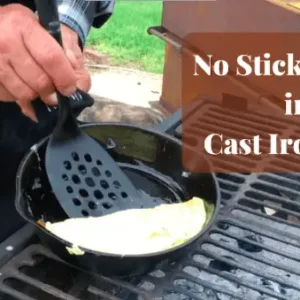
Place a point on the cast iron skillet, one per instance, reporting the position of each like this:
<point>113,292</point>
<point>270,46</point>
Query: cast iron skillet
<point>151,159</point>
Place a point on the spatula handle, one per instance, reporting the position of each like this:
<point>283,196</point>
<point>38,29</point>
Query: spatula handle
<point>49,19</point>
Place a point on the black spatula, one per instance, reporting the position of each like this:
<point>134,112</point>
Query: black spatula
<point>84,177</point>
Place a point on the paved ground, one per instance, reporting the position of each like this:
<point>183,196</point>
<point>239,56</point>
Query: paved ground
<point>127,86</point>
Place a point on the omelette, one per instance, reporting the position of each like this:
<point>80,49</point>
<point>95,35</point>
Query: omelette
<point>136,231</point>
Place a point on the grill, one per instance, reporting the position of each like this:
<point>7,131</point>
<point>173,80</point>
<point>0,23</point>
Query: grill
<point>252,252</point>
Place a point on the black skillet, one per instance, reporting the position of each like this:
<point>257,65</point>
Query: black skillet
<point>151,159</point>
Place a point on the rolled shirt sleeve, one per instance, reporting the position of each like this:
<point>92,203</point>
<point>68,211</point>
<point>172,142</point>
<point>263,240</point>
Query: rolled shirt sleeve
<point>82,15</point>
<point>104,10</point>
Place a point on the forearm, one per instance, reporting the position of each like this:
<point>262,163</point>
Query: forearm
<point>82,15</point>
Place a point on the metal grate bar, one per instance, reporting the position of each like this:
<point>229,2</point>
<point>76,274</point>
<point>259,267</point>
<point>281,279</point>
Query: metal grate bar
<point>277,187</point>
<point>188,295</point>
<point>233,177</point>
<point>44,287</point>
<point>253,118</point>
<point>225,166</point>
<point>252,227</point>
<point>10,271</point>
<point>283,165</point>
<point>263,246</point>
<point>259,194</point>
<point>232,128</point>
<point>245,123</point>
<point>269,205</point>
<point>124,285</point>
<point>225,196</point>
<point>252,270</point>
<point>97,292</point>
<point>230,184</point>
<point>240,281</point>
<point>292,176</point>
<point>263,260</point>
<point>75,290</point>
<point>281,180</point>
<point>15,294</point>
<point>232,163</point>
<point>207,284</point>
<point>227,185</point>
<point>278,220</point>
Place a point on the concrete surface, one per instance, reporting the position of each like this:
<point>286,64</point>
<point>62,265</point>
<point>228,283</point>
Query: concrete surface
<point>127,86</point>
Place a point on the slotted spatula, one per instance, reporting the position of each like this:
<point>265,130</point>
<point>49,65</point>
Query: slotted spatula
<point>83,176</point>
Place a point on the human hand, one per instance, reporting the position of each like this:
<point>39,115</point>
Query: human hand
<point>32,63</point>
<point>75,56</point>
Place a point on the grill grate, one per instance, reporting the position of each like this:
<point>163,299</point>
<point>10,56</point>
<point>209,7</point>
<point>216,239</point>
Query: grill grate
<point>36,273</point>
<point>246,255</point>
<point>252,252</point>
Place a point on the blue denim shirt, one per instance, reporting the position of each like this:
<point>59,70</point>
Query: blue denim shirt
<point>81,15</point>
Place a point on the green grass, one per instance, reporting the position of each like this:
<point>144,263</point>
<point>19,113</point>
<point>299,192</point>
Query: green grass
<point>124,37</point>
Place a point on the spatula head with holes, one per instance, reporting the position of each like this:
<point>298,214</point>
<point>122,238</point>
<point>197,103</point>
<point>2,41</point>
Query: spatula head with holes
<point>85,178</point>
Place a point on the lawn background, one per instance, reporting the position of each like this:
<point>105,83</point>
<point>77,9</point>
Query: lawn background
<point>124,37</point>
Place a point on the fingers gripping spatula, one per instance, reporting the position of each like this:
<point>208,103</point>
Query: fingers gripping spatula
<point>84,177</point>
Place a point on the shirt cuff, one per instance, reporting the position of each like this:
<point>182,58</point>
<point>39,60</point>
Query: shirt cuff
<point>104,10</point>
<point>104,7</point>
<point>78,15</point>
<point>82,15</point>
